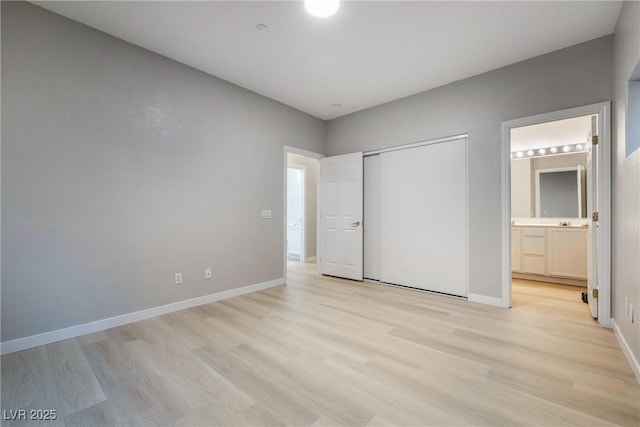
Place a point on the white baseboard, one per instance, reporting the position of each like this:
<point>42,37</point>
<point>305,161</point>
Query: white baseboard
<point>483,299</point>
<point>631,358</point>
<point>310,259</point>
<point>111,322</point>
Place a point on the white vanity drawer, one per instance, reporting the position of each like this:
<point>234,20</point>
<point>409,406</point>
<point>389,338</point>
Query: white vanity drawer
<point>539,231</point>
<point>533,246</point>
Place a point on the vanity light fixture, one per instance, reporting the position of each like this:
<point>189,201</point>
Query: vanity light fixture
<point>550,151</point>
<point>322,8</point>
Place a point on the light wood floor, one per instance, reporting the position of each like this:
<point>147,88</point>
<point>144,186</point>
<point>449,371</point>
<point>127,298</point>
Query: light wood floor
<point>328,352</point>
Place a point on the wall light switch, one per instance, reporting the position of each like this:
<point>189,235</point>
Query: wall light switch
<point>626,306</point>
<point>266,214</point>
<point>178,279</point>
<point>207,273</point>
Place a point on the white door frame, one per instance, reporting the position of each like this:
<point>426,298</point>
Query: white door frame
<point>303,226</point>
<point>603,110</point>
<point>302,152</point>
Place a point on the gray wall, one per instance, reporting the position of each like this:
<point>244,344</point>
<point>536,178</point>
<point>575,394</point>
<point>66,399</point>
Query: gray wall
<point>626,182</point>
<point>571,77</point>
<point>310,202</point>
<point>120,168</point>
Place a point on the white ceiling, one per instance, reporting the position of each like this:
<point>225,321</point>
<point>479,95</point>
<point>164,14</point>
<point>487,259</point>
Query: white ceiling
<point>551,134</point>
<point>369,53</point>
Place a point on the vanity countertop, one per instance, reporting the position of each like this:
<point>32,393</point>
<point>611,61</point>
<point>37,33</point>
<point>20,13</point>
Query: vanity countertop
<point>551,225</point>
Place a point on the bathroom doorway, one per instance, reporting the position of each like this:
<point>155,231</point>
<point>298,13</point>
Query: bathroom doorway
<point>555,214</point>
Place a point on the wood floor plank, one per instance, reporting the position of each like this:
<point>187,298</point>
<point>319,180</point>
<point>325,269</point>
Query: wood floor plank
<point>28,384</point>
<point>397,405</point>
<point>196,383</point>
<point>314,392</point>
<point>77,386</point>
<point>440,387</point>
<point>98,415</point>
<point>281,403</point>
<point>119,379</point>
<point>323,351</point>
<point>379,422</point>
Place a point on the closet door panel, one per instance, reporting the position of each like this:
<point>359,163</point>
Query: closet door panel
<point>423,217</point>
<point>372,217</point>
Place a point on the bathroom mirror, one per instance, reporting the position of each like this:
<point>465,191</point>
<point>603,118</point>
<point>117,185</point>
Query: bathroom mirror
<point>561,192</point>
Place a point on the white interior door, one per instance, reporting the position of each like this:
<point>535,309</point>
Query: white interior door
<point>341,205</point>
<point>592,206</point>
<point>423,240</point>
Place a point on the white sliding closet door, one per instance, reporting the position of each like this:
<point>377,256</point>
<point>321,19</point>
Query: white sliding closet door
<point>372,217</point>
<point>423,213</point>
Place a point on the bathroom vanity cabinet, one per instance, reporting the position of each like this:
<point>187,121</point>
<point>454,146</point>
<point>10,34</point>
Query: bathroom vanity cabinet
<point>550,252</point>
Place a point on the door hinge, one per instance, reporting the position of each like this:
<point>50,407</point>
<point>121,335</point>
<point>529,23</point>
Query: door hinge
<point>595,217</point>
<point>594,140</point>
<point>594,293</point>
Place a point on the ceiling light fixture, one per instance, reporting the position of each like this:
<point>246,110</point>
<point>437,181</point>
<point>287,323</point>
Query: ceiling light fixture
<point>262,28</point>
<point>322,8</point>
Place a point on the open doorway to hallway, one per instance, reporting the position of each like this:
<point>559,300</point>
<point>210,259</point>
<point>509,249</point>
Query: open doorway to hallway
<point>296,221</point>
<point>301,183</point>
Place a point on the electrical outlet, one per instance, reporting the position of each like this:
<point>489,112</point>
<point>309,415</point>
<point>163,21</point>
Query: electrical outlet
<point>178,278</point>
<point>207,273</point>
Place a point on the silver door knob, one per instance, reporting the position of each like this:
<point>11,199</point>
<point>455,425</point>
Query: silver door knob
<point>355,224</point>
